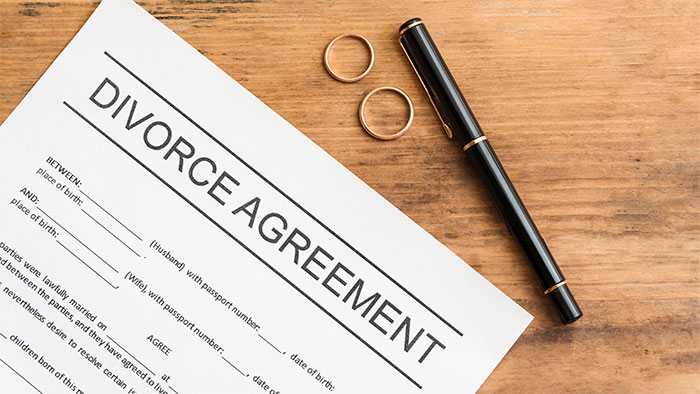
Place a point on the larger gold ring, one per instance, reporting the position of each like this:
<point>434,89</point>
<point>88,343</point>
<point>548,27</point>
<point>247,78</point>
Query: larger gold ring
<point>386,137</point>
<point>327,55</point>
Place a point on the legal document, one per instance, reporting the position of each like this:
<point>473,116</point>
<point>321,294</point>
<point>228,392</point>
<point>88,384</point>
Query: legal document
<point>164,231</point>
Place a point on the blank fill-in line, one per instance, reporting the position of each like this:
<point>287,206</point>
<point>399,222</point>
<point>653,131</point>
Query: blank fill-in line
<point>132,356</point>
<point>110,215</point>
<point>171,388</point>
<point>20,375</point>
<point>283,193</point>
<point>77,239</point>
<point>3,335</point>
<point>110,233</point>
<point>235,367</point>
<point>86,264</point>
<point>270,343</point>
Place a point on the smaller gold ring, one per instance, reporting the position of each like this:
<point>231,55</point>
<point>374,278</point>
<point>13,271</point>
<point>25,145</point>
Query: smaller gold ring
<point>327,55</point>
<point>412,25</point>
<point>473,142</point>
<point>386,137</point>
<point>558,285</point>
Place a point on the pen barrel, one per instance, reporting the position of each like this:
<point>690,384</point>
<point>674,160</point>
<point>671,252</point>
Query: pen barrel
<point>484,160</point>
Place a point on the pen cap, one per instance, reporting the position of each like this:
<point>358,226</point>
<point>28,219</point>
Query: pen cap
<point>457,119</point>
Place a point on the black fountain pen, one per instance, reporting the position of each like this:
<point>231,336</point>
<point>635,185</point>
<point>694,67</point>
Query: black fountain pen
<point>460,125</point>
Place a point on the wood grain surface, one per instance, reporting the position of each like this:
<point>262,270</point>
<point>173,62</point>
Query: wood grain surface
<point>593,107</point>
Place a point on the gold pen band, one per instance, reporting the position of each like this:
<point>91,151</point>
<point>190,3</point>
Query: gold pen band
<point>410,26</point>
<point>558,285</point>
<point>473,142</point>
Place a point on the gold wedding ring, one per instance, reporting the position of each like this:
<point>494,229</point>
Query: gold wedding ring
<point>327,55</point>
<point>386,137</point>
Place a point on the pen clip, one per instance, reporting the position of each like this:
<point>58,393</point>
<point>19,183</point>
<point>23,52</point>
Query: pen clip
<point>445,127</point>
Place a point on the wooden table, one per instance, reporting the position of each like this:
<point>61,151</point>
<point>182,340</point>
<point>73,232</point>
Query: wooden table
<point>593,107</point>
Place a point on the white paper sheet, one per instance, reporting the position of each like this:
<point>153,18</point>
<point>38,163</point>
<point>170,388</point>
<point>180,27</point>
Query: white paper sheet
<point>163,231</point>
